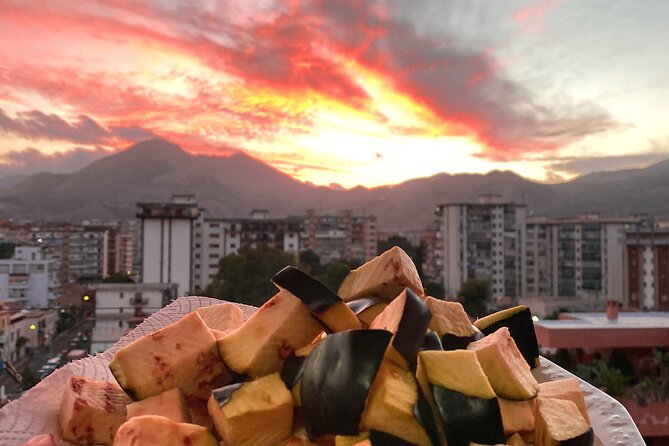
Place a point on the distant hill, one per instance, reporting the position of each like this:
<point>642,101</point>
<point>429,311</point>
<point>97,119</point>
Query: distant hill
<point>232,186</point>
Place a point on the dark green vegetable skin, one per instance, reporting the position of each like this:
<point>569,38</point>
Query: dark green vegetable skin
<point>452,342</point>
<point>223,395</point>
<point>425,417</point>
<point>585,439</point>
<point>468,419</point>
<point>432,342</point>
<point>411,329</point>
<point>360,305</point>
<point>292,370</point>
<point>378,438</point>
<point>336,380</point>
<point>312,292</point>
<point>521,329</point>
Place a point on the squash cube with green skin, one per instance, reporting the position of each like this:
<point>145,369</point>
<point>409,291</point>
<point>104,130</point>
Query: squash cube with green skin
<point>152,430</point>
<point>559,423</point>
<point>255,413</point>
<point>505,367</point>
<point>182,355</point>
<point>262,345</point>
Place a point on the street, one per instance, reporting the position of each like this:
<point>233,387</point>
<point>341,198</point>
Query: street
<point>40,356</point>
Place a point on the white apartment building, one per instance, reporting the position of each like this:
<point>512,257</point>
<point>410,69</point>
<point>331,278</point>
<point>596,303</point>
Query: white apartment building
<point>167,241</point>
<point>580,257</point>
<point>119,307</point>
<point>28,278</point>
<point>482,240</point>
<point>28,329</point>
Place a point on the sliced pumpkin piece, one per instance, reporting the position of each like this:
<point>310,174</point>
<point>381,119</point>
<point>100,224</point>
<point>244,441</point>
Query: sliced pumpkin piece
<point>407,317</point>
<point>507,370</point>
<point>516,440</point>
<point>559,423</point>
<point>169,404</point>
<point>261,346</point>
<point>366,309</point>
<point>391,405</point>
<point>255,413</point>
<point>451,323</point>
<point>462,397</point>
<point>222,317</point>
<point>91,411</point>
<point>152,430</point>
<point>385,276</point>
<point>566,389</point>
<point>325,305</point>
<point>521,327</point>
<point>517,416</point>
<point>182,355</point>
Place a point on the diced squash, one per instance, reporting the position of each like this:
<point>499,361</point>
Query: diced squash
<point>516,440</point>
<point>507,370</point>
<point>451,323</point>
<point>169,404</point>
<point>255,413</point>
<point>559,422</point>
<point>152,430</point>
<point>385,276</point>
<point>222,317</point>
<point>390,405</point>
<point>517,416</point>
<point>91,411</point>
<point>260,346</point>
<point>566,389</point>
<point>181,355</point>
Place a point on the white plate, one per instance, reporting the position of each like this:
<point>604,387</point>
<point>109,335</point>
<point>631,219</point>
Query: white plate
<point>610,421</point>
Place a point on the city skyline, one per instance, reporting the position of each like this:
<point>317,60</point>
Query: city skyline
<point>365,93</point>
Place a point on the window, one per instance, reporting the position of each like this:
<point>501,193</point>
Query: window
<point>213,245</point>
<point>233,245</point>
<point>213,256</point>
<point>214,235</point>
<point>120,295</point>
<point>120,310</point>
<point>213,265</point>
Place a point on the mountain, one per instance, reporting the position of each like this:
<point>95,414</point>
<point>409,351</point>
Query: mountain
<point>232,186</point>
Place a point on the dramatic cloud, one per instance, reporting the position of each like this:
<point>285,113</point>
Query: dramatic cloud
<point>31,160</point>
<point>36,125</point>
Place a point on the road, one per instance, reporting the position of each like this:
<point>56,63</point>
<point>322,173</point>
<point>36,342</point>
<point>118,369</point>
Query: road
<point>42,355</point>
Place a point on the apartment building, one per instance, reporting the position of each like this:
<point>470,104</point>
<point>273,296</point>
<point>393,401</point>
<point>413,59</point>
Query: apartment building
<point>120,249</point>
<point>167,241</point>
<point>28,278</point>
<point>119,307</point>
<point>216,238</point>
<point>482,240</point>
<point>28,330</point>
<point>579,257</point>
<point>342,236</point>
<point>647,266</point>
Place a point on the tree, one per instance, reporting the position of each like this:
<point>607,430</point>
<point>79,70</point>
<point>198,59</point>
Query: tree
<point>311,262</point>
<point>118,277</point>
<point>245,277</point>
<point>334,274</point>
<point>434,289</point>
<point>473,295</point>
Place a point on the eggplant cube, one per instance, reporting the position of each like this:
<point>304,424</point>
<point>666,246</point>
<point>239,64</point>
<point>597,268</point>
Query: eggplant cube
<point>91,412</point>
<point>255,413</point>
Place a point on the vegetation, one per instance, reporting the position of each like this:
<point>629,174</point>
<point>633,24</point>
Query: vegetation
<point>245,277</point>
<point>474,295</point>
<point>606,377</point>
<point>118,277</point>
<point>654,385</point>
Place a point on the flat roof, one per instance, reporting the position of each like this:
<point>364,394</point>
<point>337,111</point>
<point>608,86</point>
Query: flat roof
<point>595,330</point>
<point>131,286</point>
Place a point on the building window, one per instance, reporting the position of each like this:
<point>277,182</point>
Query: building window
<point>197,245</point>
<point>214,235</point>
<point>213,265</point>
<point>214,245</point>
<point>120,310</point>
<point>120,294</point>
<point>233,245</point>
<point>214,225</point>
<point>213,256</point>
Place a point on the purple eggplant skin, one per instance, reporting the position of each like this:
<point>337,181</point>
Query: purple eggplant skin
<point>587,438</point>
<point>432,342</point>
<point>468,419</point>
<point>359,305</point>
<point>521,329</point>
<point>336,380</point>
<point>412,328</point>
<point>312,292</point>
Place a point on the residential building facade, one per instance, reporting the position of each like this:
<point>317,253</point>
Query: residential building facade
<point>580,257</point>
<point>482,240</point>
<point>119,307</point>
<point>28,278</point>
<point>167,241</point>
<point>647,267</point>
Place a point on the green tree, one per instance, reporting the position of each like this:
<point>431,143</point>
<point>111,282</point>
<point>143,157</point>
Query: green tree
<point>30,379</point>
<point>435,289</point>
<point>118,277</point>
<point>311,262</point>
<point>245,277</point>
<point>334,274</point>
<point>474,295</point>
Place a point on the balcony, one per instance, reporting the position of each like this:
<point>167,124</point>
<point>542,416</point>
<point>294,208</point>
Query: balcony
<point>138,302</point>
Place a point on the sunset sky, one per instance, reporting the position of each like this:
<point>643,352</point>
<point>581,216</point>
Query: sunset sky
<point>345,92</point>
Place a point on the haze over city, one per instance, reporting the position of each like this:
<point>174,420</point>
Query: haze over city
<point>365,93</point>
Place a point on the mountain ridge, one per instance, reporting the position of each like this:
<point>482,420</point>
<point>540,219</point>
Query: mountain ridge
<point>232,186</point>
